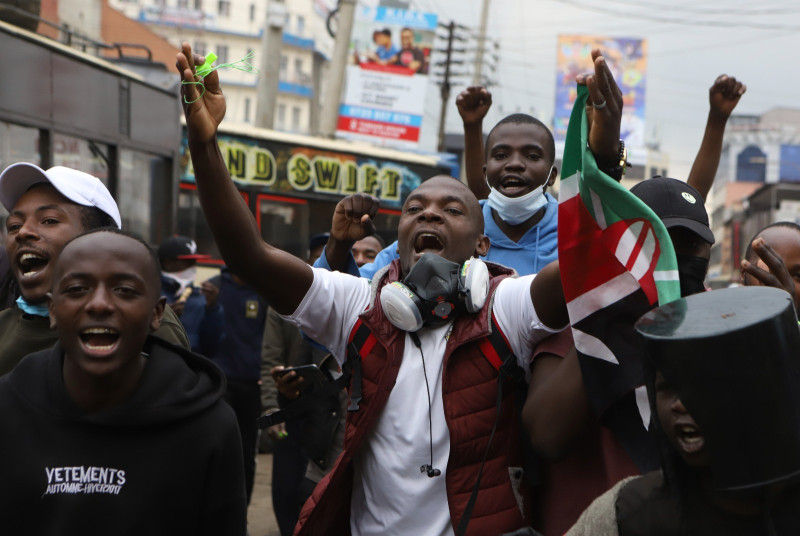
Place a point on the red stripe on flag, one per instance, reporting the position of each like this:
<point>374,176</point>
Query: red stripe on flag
<point>637,248</point>
<point>581,239</point>
<point>612,236</point>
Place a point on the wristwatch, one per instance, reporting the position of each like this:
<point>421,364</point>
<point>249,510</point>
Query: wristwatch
<point>621,164</point>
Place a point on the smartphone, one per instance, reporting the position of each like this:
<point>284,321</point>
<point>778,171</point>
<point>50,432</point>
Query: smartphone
<point>310,373</point>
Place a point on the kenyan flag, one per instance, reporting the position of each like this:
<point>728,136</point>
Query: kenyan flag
<point>617,262</point>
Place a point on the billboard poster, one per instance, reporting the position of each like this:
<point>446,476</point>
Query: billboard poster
<point>292,169</point>
<point>627,59</point>
<point>387,75</point>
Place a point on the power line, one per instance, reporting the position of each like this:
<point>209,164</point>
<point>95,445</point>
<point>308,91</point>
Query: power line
<point>727,11</point>
<point>673,20</point>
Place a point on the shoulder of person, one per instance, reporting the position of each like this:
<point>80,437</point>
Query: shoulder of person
<point>600,517</point>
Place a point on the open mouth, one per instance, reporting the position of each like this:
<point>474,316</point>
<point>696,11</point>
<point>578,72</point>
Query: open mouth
<point>690,438</point>
<point>512,184</point>
<point>428,242</point>
<point>31,264</point>
<point>99,340</point>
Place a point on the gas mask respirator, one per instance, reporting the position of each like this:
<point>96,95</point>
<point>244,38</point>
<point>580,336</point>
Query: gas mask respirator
<point>434,291</point>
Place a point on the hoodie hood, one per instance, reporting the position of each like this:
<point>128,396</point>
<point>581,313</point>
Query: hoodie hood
<point>175,384</point>
<point>537,248</point>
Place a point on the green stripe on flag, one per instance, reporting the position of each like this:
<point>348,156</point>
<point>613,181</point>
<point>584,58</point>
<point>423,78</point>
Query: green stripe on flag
<point>611,201</point>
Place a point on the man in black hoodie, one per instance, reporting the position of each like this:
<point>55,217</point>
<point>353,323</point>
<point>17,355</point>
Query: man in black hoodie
<point>113,431</point>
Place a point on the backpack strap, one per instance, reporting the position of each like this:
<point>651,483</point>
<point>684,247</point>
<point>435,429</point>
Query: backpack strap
<point>359,344</point>
<point>497,350</point>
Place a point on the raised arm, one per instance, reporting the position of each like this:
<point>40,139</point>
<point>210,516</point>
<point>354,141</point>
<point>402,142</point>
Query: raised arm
<point>352,220</point>
<point>473,103</point>
<point>605,115</point>
<point>278,276</point>
<point>723,96</point>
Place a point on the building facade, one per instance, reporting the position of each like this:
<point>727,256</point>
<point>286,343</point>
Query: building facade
<point>233,29</point>
<point>757,183</point>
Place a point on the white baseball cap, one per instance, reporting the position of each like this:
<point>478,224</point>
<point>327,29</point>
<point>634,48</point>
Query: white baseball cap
<point>77,186</point>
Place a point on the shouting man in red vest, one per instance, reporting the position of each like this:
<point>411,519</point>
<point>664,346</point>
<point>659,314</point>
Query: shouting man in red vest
<point>427,413</point>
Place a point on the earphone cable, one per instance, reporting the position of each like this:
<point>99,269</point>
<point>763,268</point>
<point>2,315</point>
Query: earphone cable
<point>418,344</point>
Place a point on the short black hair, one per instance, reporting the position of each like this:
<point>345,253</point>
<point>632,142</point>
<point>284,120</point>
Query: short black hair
<point>155,265</point>
<point>750,255</point>
<point>524,119</point>
<point>94,218</point>
<point>387,32</point>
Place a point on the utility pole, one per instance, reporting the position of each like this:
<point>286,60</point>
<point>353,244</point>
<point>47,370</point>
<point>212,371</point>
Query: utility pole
<point>477,76</point>
<point>333,89</point>
<point>267,90</point>
<point>451,28</point>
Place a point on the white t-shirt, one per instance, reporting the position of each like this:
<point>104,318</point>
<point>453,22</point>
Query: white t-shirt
<point>391,496</point>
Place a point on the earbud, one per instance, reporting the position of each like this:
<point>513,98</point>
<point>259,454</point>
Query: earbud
<point>430,470</point>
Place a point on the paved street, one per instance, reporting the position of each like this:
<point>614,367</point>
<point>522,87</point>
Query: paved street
<point>260,519</point>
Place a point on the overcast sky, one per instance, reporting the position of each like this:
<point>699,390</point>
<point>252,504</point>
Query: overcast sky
<point>689,44</point>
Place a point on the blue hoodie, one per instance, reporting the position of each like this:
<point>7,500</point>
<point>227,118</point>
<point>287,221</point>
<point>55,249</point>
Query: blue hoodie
<point>535,250</point>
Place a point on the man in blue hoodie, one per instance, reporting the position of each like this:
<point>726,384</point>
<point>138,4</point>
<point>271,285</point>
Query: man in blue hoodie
<point>510,178</point>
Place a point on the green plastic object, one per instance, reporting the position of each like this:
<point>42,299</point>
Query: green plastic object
<point>206,68</point>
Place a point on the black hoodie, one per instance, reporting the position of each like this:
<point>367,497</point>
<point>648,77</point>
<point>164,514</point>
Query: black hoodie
<point>168,461</point>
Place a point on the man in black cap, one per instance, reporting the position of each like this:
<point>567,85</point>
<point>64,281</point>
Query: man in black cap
<point>680,208</point>
<point>202,317</point>
<point>730,442</point>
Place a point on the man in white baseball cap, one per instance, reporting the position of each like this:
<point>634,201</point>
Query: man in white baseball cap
<point>79,187</point>
<point>47,209</point>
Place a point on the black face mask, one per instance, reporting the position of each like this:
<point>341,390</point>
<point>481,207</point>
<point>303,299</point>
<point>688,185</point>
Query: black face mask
<point>692,272</point>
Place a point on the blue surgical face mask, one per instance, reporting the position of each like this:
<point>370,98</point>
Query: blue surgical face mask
<point>515,210</point>
<point>33,308</point>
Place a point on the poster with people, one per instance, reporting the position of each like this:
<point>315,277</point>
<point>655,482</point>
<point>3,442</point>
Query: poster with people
<point>387,75</point>
<point>627,59</point>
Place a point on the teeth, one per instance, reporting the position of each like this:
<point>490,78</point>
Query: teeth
<point>98,331</point>
<point>99,348</point>
<point>30,274</point>
<point>29,256</point>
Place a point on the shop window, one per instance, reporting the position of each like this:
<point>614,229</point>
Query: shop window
<point>143,178</point>
<point>283,222</point>
<point>81,154</point>
<point>192,222</point>
<point>18,144</point>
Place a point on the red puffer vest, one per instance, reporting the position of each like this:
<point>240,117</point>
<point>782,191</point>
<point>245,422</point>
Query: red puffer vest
<point>470,404</point>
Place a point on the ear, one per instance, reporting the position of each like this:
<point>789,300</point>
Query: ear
<point>482,246</point>
<point>552,178</point>
<point>158,313</point>
<point>50,310</point>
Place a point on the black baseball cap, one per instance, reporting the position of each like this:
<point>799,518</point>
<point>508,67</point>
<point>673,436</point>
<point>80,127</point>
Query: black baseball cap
<point>676,203</point>
<point>179,247</point>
